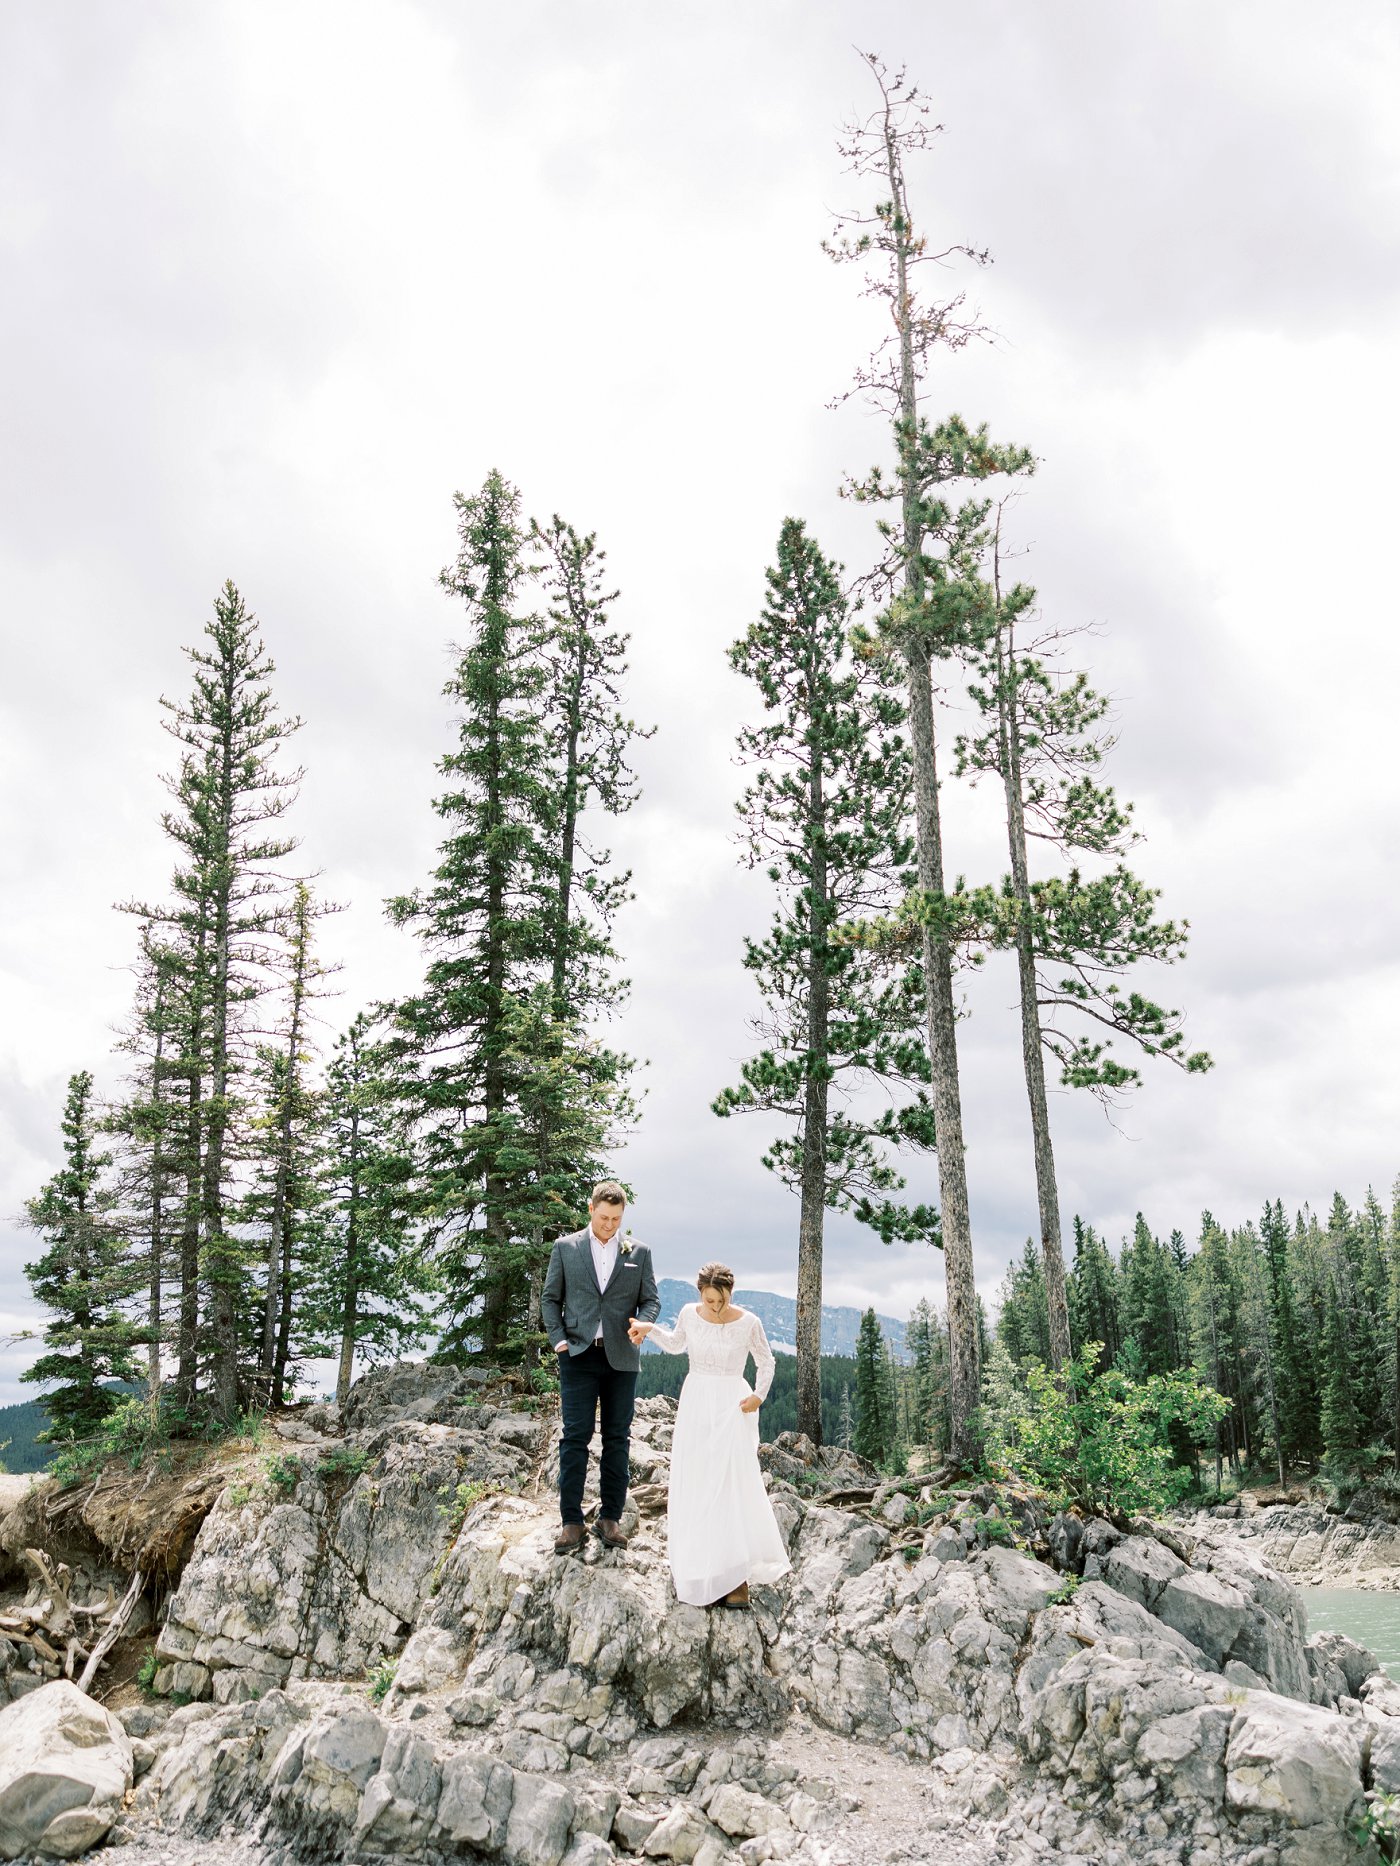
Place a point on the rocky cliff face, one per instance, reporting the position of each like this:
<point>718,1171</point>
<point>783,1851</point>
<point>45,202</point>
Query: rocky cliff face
<point>1314,1546</point>
<point>916,1688</point>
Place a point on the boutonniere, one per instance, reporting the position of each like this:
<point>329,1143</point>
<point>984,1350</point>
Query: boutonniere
<point>627,1247</point>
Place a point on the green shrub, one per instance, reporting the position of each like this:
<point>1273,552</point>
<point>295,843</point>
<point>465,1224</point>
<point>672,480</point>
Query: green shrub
<point>1065,1592</point>
<point>146,1673</point>
<point>380,1679</point>
<point>283,1473</point>
<point>1099,1440</point>
<point>344,1464</point>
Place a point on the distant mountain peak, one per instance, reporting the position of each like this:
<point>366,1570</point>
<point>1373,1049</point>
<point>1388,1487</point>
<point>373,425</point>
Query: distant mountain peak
<point>840,1326</point>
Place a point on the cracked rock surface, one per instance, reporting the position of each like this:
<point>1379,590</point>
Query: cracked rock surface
<point>948,1676</point>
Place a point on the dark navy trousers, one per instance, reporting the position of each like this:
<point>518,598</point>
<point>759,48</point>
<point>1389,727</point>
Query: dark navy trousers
<point>592,1392</point>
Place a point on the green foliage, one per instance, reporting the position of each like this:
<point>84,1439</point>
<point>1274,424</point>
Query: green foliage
<point>283,1473</point>
<point>367,1288</point>
<point>1099,1439</point>
<point>342,1464</point>
<point>514,1104</point>
<point>1378,1825</point>
<point>146,1673</point>
<point>826,817</point>
<point>82,1279</point>
<point>874,1428</point>
<point>1066,1591</point>
<point>381,1679</point>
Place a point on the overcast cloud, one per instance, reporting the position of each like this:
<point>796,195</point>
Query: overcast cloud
<point>281,277</point>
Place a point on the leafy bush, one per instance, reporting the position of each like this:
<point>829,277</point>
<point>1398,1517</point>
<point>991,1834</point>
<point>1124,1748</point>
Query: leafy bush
<point>380,1679</point>
<point>1099,1440</point>
<point>146,1673</point>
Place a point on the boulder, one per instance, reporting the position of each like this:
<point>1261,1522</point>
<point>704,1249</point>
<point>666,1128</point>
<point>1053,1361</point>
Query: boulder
<point>65,1768</point>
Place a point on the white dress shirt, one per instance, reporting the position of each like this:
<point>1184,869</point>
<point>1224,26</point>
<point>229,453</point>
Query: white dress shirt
<point>604,1260</point>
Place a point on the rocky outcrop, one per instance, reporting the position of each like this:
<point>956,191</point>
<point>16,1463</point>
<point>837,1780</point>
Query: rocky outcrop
<point>1315,1546</point>
<point>1133,1693</point>
<point>321,1566</point>
<point>65,1767</point>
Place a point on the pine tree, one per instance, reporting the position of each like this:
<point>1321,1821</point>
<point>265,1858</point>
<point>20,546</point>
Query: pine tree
<point>367,1284</point>
<point>931,550</point>
<point>1298,1407</point>
<point>1043,740</point>
<point>1341,1418</point>
<point>485,919</point>
<point>150,1127</point>
<point>220,932</point>
<point>283,1203</point>
<point>1094,1298</point>
<point>83,1279</point>
<point>825,817</point>
<point>518,900</point>
<point>870,1439</point>
<point>1024,1321</point>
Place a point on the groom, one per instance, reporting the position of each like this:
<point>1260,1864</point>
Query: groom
<point>595,1284</point>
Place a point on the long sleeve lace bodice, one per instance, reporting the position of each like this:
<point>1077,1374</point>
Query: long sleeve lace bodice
<point>719,1347</point>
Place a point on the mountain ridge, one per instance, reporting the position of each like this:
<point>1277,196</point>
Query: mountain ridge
<point>778,1314</point>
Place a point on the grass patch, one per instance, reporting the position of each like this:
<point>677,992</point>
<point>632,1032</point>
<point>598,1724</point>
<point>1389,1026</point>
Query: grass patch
<point>343,1465</point>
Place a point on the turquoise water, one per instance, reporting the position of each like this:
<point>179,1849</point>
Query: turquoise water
<point>1370,1618</point>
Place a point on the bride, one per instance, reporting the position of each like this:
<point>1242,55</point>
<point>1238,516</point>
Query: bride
<point>720,1529</point>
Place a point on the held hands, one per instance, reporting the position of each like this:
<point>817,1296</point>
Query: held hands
<point>637,1332</point>
<point>751,1404</point>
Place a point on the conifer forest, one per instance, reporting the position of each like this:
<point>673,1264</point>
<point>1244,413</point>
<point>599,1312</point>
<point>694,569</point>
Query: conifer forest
<point>278,1180</point>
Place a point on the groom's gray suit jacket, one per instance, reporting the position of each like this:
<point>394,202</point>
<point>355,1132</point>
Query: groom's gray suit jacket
<point>572,1303</point>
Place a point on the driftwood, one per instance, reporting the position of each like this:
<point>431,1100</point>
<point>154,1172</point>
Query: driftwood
<point>49,1619</point>
<point>117,1619</point>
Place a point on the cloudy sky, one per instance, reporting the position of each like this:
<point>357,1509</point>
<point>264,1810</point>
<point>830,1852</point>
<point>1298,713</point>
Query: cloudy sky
<point>280,277</point>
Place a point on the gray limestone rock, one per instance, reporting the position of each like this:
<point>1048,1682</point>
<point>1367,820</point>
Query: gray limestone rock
<point>65,1767</point>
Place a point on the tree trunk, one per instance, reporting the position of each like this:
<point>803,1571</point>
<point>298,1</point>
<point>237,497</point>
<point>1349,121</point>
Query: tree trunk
<point>1273,1395</point>
<point>811,1224</point>
<point>154,1320</point>
<point>1032,1041</point>
<point>349,1312</point>
<point>279,1223</point>
<point>959,1271</point>
<point>964,1373</point>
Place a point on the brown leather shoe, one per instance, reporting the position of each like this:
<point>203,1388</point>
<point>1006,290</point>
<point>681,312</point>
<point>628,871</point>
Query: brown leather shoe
<point>610,1534</point>
<point>569,1538</point>
<point>737,1596</point>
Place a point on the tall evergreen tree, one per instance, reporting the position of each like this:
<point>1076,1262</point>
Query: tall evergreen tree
<point>931,544</point>
<point>283,1201</point>
<point>1341,1417</point>
<point>83,1279</point>
<point>148,1121</point>
<point>221,927</point>
<point>871,1439</point>
<point>486,917</point>
<point>1094,1296</point>
<point>1042,738</point>
<point>826,818</point>
<point>503,911</point>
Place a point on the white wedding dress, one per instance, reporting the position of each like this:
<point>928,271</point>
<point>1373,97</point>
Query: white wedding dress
<point>720,1527</point>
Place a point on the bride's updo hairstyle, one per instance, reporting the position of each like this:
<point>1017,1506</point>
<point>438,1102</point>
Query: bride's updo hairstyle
<point>716,1276</point>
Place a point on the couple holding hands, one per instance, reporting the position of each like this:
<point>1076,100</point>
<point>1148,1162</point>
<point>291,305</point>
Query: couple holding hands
<point>599,1304</point>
